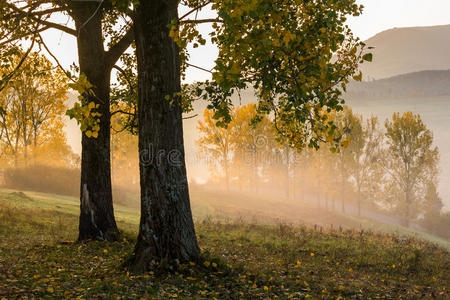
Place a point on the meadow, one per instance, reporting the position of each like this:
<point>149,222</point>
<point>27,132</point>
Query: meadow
<point>252,258</point>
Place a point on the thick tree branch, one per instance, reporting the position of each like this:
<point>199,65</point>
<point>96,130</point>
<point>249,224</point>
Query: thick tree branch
<point>34,17</point>
<point>190,117</point>
<point>23,35</point>
<point>194,10</point>
<point>17,68</point>
<point>197,67</point>
<point>56,26</point>
<point>55,58</point>
<point>122,71</point>
<point>119,48</point>
<point>123,112</point>
<point>201,21</point>
<point>48,11</point>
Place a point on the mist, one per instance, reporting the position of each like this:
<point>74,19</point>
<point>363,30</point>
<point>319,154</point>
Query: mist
<point>205,149</point>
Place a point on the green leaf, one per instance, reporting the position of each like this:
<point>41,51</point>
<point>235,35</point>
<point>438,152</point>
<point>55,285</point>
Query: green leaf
<point>358,77</point>
<point>368,57</point>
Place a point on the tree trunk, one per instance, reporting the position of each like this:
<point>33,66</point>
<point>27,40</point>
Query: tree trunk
<point>34,145</point>
<point>166,231</point>
<point>343,194</point>
<point>407,208</point>
<point>227,171</point>
<point>255,171</point>
<point>97,220</point>
<point>24,129</point>
<point>287,186</point>
<point>359,202</point>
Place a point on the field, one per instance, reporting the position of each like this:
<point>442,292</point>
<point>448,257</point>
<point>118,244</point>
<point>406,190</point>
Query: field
<point>240,259</point>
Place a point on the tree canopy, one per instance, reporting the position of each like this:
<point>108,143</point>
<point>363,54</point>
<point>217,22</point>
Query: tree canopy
<point>297,55</point>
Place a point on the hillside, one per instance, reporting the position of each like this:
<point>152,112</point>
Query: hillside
<point>38,259</point>
<point>416,84</point>
<point>406,50</point>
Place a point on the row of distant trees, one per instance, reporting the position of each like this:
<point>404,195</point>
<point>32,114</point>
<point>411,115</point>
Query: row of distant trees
<point>34,153</point>
<point>393,167</point>
<point>33,104</point>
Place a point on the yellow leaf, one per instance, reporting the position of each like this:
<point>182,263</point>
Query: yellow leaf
<point>50,290</point>
<point>235,69</point>
<point>266,288</point>
<point>288,37</point>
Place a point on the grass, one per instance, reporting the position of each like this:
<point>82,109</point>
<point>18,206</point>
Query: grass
<point>267,210</point>
<point>240,260</point>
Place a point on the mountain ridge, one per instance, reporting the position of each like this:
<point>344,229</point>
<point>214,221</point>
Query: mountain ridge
<point>408,49</point>
<point>416,84</point>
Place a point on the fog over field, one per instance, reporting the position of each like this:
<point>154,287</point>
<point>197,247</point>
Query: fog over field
<point>433,110</point>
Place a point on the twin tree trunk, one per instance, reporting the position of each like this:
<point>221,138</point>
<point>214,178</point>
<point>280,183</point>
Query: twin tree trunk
<point>97,220</point>
<point>166,231</point>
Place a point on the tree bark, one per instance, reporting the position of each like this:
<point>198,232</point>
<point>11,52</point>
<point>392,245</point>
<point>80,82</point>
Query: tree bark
<point>166,231</point>
<point>227,170</point>
<point>359,201</point>
<point>287,187</point>
<point>97,220</point>
<point>343,193</point>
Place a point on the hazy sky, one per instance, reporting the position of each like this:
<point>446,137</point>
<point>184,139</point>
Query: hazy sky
<point>379,15</point>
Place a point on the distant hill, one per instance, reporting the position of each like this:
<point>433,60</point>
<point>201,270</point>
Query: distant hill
<point>406,50</point>
<point>417,84</point>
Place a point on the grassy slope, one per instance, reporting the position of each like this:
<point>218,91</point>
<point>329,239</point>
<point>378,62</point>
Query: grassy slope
<point>269,210</point>
<point>241,260</point>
